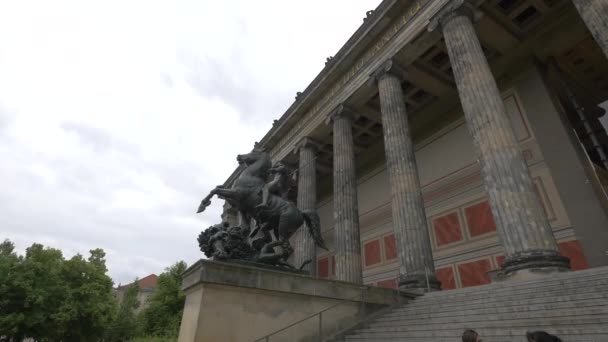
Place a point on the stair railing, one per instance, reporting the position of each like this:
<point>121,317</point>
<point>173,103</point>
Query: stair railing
<point>314,325</point>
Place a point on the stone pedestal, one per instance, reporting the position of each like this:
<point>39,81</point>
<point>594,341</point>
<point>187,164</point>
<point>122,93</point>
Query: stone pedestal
<point>239,303</point>
<point>409,218</point>
<point>522,224</point>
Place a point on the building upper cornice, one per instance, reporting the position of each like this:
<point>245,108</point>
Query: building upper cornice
<point>373,26</point>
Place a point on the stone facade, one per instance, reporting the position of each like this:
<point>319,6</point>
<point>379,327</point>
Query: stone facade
<point>454,148</point>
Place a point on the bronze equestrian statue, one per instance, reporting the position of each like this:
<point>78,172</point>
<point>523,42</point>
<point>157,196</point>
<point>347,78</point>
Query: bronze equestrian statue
<point>276,219</point>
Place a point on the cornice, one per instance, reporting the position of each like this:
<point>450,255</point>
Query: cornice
<point>372,26</point>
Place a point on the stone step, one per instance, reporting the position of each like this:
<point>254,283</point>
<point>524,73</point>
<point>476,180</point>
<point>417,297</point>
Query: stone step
<point>492,289</point>
<point>490,322</point>
<point>571,305</point>
<point>487,332</point>
<point>497,308</point>
<point>489,289</point>
<point>565,338</point>
<point>574,294</point>
<point>598,311</point>
<point>598,272</point>
<point>515,301</point>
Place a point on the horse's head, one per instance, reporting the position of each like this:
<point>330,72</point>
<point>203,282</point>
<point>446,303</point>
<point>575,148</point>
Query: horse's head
<point>251,157</point>
<point>257,162</point>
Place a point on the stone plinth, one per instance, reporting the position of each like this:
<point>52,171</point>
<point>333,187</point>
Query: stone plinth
<point>235,303</point>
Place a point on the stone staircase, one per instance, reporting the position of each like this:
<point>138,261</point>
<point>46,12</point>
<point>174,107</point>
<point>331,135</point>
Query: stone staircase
<point>572,305</point>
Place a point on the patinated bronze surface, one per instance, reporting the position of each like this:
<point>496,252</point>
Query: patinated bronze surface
<point>267,218</point>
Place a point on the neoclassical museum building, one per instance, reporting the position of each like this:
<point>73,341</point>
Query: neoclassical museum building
<point>449,143</point>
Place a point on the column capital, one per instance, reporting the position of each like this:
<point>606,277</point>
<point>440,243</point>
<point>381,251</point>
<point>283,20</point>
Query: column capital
<point>389,67</point>
<point>306,142</point>
<point>342,111</point>
<point>451,10</point>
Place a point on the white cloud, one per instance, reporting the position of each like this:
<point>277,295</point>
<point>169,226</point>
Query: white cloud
<point>117,117</point>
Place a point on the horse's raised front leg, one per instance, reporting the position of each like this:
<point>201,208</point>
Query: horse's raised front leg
<point>207,200</point>
<point>225,193</point>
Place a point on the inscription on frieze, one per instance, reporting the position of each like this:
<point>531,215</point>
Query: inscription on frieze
<point>386,36</point>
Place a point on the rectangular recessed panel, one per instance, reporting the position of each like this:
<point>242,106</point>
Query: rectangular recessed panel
<point>440,59</point>
<point>372,253</point>
<point>390,247</point>
<point>446,276</point>
<point>506,6</point>
<point>447,229</point>
<point>526,16</point>
<point>323,268</point>
<point>574,251</point>
<point>475,273</point>
<point>500,259</point>
<point>480,219</point>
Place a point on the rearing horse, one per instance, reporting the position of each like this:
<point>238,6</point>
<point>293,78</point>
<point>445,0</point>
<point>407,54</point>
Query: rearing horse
<point>279,217</point>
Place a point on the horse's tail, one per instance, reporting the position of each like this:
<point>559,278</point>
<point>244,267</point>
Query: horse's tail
<point>313,222</point>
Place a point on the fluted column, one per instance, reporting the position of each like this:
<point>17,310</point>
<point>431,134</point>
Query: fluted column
<point>595,16</point>
<point>522,225</point>
<point>409,217</point>
<point>346,212</point>
<point>305,248</point>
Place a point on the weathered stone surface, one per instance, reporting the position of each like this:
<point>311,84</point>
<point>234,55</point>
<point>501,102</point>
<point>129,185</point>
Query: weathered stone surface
<point>409,217</point>
<point>305,248</point>
<point>595,16</point>
<point>346,212</point>
<point>234,303</point>
<point>523,227</point>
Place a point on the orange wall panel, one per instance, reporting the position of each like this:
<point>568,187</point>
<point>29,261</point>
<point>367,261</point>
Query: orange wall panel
<point>389,283</point>
<point>475,272</point>
<point>372,253</point>
<point>574,251</point>
<point>390,247</point>
<point>323,268</point>
<point>480,219</point>
<point>447,229</point>
<point>446,277</point>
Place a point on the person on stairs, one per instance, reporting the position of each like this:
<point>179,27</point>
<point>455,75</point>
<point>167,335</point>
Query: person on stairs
<point>470,335</point>
<point>541,336</point>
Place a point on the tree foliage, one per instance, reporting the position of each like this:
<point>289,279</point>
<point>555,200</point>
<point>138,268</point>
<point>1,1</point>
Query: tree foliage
<point>125,326</point>
<point>163,314</point>
<point>48,298</point>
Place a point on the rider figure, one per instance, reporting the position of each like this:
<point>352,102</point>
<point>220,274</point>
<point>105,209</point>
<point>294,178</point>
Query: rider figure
<point>278,186</point>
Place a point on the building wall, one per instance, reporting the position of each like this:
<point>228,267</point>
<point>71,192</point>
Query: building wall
<point>462,228</point>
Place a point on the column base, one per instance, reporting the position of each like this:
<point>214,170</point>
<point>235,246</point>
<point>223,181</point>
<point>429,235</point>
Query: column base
<point>536,261</point>
<point>419,282</point>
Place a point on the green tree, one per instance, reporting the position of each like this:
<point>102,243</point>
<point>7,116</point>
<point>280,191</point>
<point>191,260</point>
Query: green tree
<point>163,314</point>
<point>126,324</point>
<point>34,289</point>
<point>12,298</point>
<point>48,298</point>
<point>89,307</point>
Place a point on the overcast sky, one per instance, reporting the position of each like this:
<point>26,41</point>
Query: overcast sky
<point>117,117</point>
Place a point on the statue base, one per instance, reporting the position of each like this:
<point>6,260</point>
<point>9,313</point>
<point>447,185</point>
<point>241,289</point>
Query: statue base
<point>236,302</point>
<point>264,266</point>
